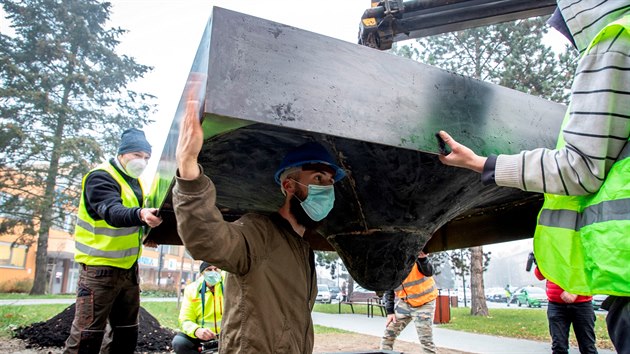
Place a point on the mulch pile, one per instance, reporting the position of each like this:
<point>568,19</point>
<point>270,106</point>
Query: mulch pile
<point>53,333</point>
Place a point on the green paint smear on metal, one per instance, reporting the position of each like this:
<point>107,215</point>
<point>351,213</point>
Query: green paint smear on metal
<point>214,125</point>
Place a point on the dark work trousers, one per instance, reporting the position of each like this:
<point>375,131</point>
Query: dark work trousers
<point>582,316</point>
<point>183,344</point>
<point>105,293</point>
<point>618,322</point>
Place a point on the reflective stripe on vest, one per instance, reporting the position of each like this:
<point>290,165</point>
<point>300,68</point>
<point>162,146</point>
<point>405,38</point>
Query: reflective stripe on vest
<point>417,289</point>
<point>582,243</point>
<point>98,243</point>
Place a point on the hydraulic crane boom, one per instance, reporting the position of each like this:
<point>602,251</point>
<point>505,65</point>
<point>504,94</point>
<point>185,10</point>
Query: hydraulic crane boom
<point>389,21</point>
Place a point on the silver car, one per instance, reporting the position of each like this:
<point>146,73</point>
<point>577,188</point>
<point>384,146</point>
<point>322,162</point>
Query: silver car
<point>323,294</point>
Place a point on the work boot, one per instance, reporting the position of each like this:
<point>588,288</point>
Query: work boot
<point>90,342</point>
<point>124,340</point>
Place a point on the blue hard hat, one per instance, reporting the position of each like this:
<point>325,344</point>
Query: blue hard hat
<point>309,153</point>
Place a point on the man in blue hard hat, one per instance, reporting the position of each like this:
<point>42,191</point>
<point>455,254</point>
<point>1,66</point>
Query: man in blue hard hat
<point>271,284</point>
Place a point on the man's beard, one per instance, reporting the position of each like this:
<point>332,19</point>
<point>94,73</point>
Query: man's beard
<point>300,215</point>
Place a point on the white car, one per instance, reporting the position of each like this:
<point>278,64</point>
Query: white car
<point>323,294</point>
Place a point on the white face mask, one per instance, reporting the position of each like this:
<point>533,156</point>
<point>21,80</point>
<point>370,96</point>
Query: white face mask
<point>212,277</point>
<point>135,167</point>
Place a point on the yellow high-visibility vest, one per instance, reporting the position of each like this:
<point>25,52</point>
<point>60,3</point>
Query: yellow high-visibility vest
<point>582,243</point>
<point>100,244</point>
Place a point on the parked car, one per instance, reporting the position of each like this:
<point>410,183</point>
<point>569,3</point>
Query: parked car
<point>323,294</point>
<point>496,295</point>
<point>334,292</point>
<point>597,301</point>
<point>531,296</point>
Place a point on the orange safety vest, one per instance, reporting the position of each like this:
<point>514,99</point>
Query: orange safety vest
<point>417,289</point>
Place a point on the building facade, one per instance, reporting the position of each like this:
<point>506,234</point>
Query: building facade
<point>165,266</point>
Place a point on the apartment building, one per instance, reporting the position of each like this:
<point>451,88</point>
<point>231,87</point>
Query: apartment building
<point>164,266</point>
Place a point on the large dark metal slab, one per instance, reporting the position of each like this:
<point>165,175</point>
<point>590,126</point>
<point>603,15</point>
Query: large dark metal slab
<point>271,87</point>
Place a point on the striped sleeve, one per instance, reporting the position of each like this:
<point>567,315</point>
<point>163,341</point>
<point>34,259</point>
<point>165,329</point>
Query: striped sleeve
<point>597,130</point>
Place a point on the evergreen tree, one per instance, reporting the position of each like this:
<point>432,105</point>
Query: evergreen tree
<point>331,261</point>
<point>509,54</point>
<point>464,263</point>
<point>63,105</point>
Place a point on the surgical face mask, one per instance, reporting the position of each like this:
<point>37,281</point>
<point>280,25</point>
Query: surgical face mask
<point>319,202</point>
<point>135,167</point>
<point>212,277</point>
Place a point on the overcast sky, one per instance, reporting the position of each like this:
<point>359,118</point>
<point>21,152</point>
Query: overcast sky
<point>166,34</point>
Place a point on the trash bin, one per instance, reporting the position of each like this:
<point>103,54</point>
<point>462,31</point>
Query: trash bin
<point>442,309</point>
<point>454,301</point>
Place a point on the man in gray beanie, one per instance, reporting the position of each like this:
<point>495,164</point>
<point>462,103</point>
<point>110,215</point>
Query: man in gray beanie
<point>108,237</point>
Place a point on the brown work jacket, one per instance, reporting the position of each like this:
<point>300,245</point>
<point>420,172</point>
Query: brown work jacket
<point>271,284</point>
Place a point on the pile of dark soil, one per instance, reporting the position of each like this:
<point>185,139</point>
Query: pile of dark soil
<point>53,333</point>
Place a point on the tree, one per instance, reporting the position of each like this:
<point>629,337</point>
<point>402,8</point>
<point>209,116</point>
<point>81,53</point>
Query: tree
<point>63,105</point>
<point>509,54</point>
<point>478,265</point>
<point>460,260</point>
<point>443,273</point>
<point>472,261</point>
<point>438,261</point>
<point>330,260</point>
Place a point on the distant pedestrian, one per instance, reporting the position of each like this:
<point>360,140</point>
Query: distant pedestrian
<point>416,301</point>
<point>508,294</point>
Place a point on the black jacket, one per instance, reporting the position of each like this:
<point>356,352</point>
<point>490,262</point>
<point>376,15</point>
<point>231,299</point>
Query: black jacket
<point>103,199</point>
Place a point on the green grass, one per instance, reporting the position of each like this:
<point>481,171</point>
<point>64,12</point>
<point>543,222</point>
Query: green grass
<point>323,330</point>
<point>514,323</point>
<point>518,323</point>
<point>10,296</point>
<point>334,308</point>
<point>12,317</point>
<point>165,312</point>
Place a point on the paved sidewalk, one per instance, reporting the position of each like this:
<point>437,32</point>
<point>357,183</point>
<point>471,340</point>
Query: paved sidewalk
<point>443,338</point>
<point>374,326</point>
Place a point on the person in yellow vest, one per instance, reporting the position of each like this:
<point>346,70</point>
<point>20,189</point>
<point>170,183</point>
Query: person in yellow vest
<point>108,237</point>
<point>416,301</point>
<point>201,312</point>
<point>582,239</point>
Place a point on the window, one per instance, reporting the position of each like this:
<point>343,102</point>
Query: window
<point>12,256</point>
<point>171,249</point>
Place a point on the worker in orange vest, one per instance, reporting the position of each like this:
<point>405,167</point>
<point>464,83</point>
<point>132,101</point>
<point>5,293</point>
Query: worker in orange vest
<point>416,301</point>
